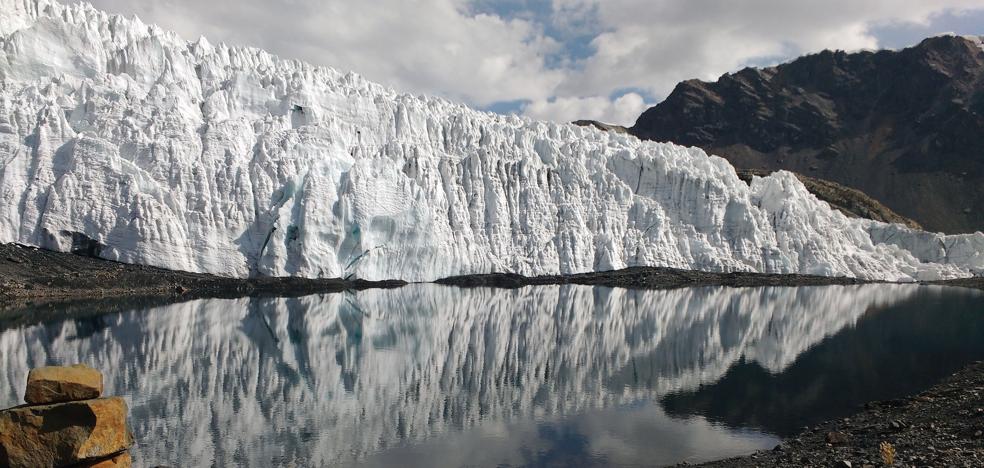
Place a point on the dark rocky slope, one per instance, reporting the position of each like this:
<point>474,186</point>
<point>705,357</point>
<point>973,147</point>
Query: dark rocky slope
<point>905,127</point>
<point>601,126</point>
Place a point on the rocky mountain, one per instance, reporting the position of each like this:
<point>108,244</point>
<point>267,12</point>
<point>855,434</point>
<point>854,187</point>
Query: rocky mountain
<point>126,142</point>
<point>905,127</point>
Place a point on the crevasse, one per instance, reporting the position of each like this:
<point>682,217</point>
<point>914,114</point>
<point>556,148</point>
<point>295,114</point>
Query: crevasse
<point>126,140</point>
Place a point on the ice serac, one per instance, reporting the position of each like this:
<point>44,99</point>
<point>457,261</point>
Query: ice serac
<point>124,141</point>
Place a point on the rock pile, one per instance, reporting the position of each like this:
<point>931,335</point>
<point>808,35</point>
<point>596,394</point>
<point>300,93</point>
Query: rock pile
<point>65,422</point>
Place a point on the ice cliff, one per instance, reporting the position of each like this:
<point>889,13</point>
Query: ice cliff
<point>126,141</point>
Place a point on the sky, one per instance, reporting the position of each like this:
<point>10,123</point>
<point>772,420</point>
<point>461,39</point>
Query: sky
<point>558,60</point>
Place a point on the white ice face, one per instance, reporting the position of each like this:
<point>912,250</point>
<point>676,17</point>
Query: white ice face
<point>124,138</point>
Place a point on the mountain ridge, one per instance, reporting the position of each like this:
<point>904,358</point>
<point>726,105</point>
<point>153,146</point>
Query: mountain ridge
<point>904,127</point>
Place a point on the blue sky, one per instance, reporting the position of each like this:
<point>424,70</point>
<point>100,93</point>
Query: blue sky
<point>555,59</point>
<point>892,35</point>
<point>896,36</point>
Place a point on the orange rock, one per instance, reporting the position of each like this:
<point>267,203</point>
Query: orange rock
<point>57,384</point>
<point>120,460</point>
<point>63,434</point>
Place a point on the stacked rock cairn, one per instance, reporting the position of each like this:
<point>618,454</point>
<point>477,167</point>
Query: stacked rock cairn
<point>65,422</point>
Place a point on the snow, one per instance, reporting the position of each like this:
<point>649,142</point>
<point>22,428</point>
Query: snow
<point>228,160</point>
<point>371,370</point>
<point>976,40</point>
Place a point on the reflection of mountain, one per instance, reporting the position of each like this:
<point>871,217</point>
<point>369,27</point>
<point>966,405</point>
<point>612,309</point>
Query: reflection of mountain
<point>886,356</point>
<point>321,379</point>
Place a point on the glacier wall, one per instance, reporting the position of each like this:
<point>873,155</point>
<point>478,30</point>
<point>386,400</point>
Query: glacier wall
<point>128,141</point>
<point>324,380</point>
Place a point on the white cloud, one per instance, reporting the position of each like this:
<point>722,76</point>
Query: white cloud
<point>443,47</point>
<point>432,46</point>
<point>654,44</point>
<point>622,111</point>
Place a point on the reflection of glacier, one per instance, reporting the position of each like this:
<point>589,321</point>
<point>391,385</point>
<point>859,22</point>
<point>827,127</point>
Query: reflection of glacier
<point>321,379</point>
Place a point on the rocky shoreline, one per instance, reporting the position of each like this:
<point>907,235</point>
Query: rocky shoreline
<point>940,427</point>
<point>35,278</point>
<point>30,276</point>
<point>975,283</point>
<point>648,278</point>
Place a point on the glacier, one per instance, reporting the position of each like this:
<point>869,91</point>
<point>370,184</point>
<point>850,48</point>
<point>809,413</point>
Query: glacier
<point>128,141</point>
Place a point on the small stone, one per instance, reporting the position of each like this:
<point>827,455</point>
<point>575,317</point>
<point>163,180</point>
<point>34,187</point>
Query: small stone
<point>978,434</point>
<point>843,464</point>
<point>836,438</point>
<point>63,434</point>
<point>778,448</point>
<point>56,384</point>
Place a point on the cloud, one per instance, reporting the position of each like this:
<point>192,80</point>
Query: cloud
<point>654,44</point>
<point>622,110</point>
<point>421,46</point>
<point>566,59</point>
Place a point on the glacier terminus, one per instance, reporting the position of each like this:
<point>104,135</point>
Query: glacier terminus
<point>138,146</point>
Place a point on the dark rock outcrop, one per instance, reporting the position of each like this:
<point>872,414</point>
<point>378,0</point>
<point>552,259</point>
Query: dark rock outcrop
<point>905,127</point>
<point>601,126</point>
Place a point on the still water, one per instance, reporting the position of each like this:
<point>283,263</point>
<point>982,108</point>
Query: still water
<point>429,375</point>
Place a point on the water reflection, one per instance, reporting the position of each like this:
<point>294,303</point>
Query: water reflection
<point>890,354</point>
<point>427,373</point>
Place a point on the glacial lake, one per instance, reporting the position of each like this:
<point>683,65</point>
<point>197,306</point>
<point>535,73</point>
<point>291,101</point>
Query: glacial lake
<point>427,375</point>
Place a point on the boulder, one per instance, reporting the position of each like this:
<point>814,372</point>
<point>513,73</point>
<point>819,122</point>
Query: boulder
<point>836,438</point>
<point>64,434</point>
<point>47,385</point>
